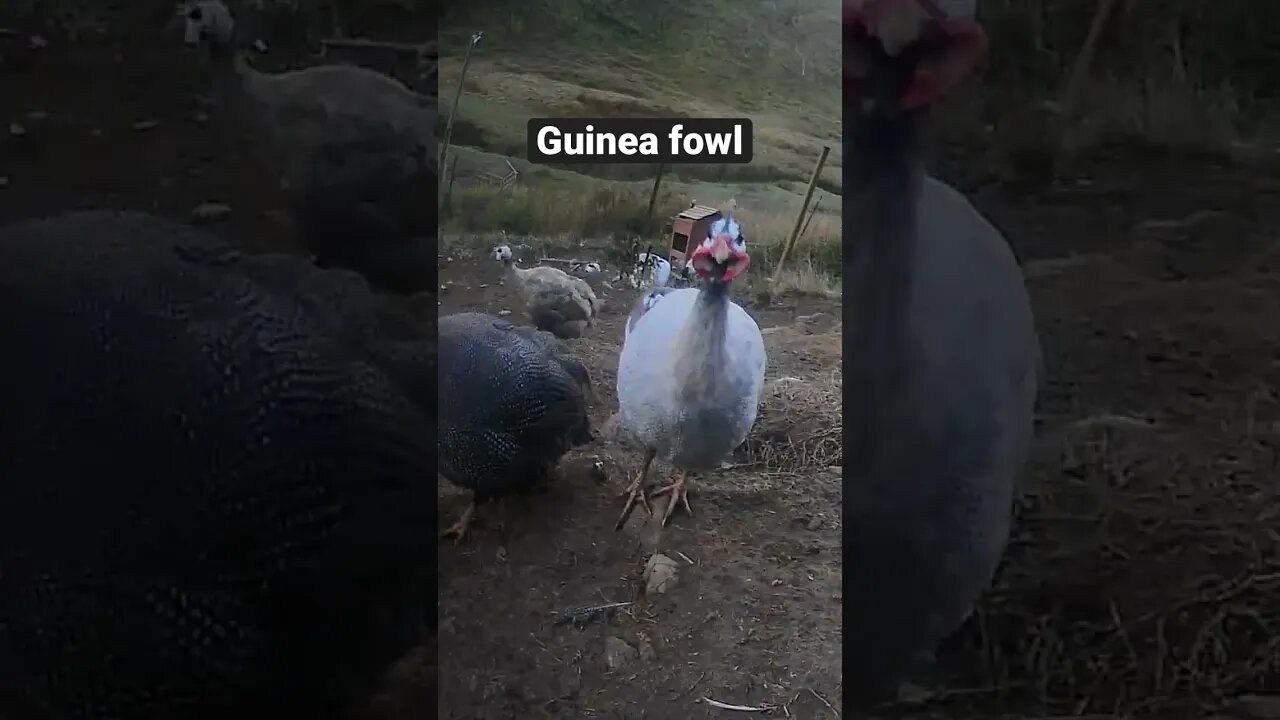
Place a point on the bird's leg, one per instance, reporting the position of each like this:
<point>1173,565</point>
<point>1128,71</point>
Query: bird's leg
<point>679,495</point>
<point>459,530</point>
<point>635,491</point>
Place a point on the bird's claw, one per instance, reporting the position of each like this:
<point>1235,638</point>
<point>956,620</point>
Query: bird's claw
<point>460,530</point>
<point>635,495</point>
<point>679,496</point>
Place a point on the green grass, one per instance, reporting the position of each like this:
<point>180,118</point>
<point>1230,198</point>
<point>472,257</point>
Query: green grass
<point>776,62</point>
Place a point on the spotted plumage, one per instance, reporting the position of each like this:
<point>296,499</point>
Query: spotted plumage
<point>512,403</point>
<point>557,302</point>
<point>355,150</point>
<point>692,368</point>
<point>215,477</point>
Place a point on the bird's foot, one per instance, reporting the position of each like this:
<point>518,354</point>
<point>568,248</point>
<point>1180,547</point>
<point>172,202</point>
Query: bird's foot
<point>634,494</point>
<point>679,496</point>
<point>461,529</point>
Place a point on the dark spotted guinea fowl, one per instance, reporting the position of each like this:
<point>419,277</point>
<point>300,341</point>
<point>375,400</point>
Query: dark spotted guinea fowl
<point>941,355</point>
<point>215,477</point>
<point>513,401</point>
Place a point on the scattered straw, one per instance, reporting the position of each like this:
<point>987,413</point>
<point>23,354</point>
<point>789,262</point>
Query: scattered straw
<point>800,425</point>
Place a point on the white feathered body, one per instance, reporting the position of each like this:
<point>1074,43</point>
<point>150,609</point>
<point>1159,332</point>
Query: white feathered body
<point>694,411</point>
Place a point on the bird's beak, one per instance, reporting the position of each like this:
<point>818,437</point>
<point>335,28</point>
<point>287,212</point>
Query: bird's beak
<point>942,49</point>
<point>720,261</point>
<point>896,23</point>
<point>720,249</point>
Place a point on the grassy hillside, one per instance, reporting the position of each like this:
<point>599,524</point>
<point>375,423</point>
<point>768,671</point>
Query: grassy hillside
<point>776,62</point>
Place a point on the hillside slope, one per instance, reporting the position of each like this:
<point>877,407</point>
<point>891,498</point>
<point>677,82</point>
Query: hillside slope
<point>776,62</point>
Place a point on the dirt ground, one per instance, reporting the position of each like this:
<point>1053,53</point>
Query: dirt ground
<point>1144,567</point>
<point>753,619</point>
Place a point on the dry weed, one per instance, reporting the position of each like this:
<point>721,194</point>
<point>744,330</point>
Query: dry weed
<point>1141,579</point>
<point>800,425</point>
<point>617,210</point>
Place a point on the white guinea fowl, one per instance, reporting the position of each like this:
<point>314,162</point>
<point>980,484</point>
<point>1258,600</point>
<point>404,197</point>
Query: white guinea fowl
<point>661,274</point>
<point>557,302</point>
<point>691,371</point>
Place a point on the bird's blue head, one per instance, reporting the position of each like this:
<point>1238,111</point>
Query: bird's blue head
<point>722,256</point>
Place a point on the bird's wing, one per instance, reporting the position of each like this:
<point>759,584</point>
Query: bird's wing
<point>562,300</point>
<point>643,305</point>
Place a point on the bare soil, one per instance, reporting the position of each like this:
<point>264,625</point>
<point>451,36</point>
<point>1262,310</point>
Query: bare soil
<point>754,616</point>
<point>1143,572</point>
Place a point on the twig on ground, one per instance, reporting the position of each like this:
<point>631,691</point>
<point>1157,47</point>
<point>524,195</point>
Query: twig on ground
<point>580,616</point>
<point>739,708</point>
<point>823,701</point>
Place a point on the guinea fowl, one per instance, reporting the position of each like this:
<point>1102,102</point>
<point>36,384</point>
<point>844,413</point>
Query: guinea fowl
<point>512,402</point>
<point>214,477</point>
<point>661,274</point>
<point>356,150</point>
<point>941,354</point>
<point>557,302</point>
<point>691,372</point>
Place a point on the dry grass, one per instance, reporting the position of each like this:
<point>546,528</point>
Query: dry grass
<point>1183,76</point>
<point>564,214</point>
<point>500,99</point>
<point>799,427</point>
<point>1139,581</point>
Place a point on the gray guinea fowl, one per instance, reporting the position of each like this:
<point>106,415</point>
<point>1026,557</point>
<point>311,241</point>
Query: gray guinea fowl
<point>213,478</point>
<point>357,149</point>
<point>512,403</point>
<point>941,355</point>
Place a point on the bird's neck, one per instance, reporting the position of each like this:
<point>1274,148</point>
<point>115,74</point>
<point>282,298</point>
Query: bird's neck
<point>235,82</point>
<point>701,355</point>
<point>883,180</point>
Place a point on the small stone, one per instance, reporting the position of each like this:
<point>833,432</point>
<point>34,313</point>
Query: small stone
<point>597,472</point>
<point>504,313</point>
<point>4,182</point>
<point>646,651</point>
<point>201,117</point>
<point>483,286</point>
<point>617,653</point>
<point>37,115</point>
<point>660,574</point>
<point>16,129</point>
<point>210,211</point>
<point>142,125</point>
